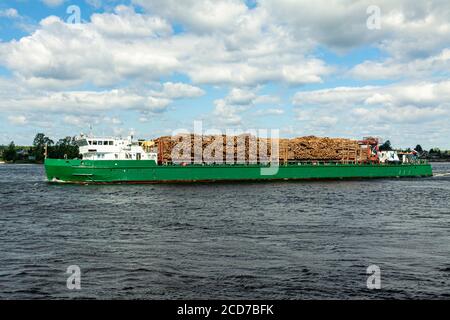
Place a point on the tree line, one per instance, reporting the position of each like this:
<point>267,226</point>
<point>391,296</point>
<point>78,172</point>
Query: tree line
<point>434,154</point>
<point>64,148</point>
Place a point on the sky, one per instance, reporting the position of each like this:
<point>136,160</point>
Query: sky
<point>150,67</point>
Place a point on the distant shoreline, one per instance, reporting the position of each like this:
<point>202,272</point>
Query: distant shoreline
<point>20,162</point>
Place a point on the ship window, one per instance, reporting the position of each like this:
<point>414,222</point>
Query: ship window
<point>105,143</point>
<point>94,142</point>
<point>100,143</point>
<point>90,141</point>
<point>111,143</point>
<point>81,143</point>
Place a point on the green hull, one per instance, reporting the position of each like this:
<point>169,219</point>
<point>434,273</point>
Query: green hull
<point>143,171</point>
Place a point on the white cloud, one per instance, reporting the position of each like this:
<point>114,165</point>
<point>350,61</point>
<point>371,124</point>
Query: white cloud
<point>325,121</point>
<point>403,68</point>
<point>74,120</point>
<point>70,55</point>
<point>112,120</point>
<point>422,94</point>
<point>85,101</point>
<point>9,13</point>
<point>247,96</point>
<point>341,25</point>
<point>180,90</point>
<point>53,3</point>
<point>126,23</point>
<point>378,98</point>
<point>227,114</point>
<point>18,120</point>
<point>17,21</point>
<point>198,15</point>
<point>83,121</point>
<point>229,110</point>
<point>226,43</point>
<point>267,99</point>
<point>240,97</point>
<point>336,24</point>
<point>269,112</point>
<point>15,95</point>
<point>405,113</point>
<point>125,45</point>
<point>94,3</point>
<point>339,96</point>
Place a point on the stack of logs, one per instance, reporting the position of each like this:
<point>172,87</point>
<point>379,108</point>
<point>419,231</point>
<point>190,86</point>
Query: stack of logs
<point>250,149</point>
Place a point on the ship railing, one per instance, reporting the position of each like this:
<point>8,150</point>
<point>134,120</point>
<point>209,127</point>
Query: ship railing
<point>281,163</point>
<point>299,163</point>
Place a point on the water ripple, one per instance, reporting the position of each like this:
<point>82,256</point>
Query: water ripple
<point>301,240</point>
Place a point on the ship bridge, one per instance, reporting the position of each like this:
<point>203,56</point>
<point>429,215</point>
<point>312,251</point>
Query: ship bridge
<point>101,148</point>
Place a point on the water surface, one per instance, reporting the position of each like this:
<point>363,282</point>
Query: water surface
<point>275,240</point>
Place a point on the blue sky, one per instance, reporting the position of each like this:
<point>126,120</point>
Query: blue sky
<point>152,67</point>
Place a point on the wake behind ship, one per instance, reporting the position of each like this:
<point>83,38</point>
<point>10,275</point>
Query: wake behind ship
<point>116,160</point>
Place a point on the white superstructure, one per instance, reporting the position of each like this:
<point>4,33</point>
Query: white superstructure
<point>388,156</point>
<point>100,148</point>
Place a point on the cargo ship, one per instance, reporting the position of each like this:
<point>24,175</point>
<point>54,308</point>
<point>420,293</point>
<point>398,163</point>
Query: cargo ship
<point>117,160</point>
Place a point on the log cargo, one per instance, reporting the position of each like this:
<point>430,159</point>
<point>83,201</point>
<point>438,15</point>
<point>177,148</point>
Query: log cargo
<point>250,149</point>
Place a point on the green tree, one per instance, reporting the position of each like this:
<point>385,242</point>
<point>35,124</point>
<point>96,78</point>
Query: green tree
<point>418,148</point>
<point>39,143</point>
<point>386,146</point>
<point>10,154</point>
<point>435,151</point>
<point>64,148</point>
